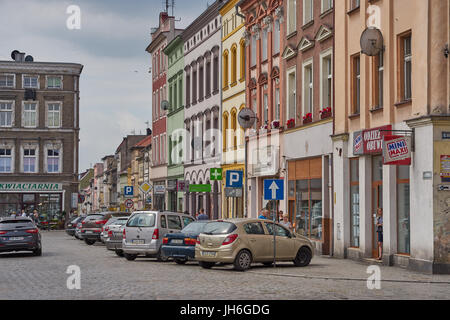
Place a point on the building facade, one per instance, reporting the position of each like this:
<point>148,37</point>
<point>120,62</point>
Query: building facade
<point>202,56</point>
<point>39,133</point>
<point>233,101</point>
<point>308,89</point>
<point>175,125</point>
<point>405,86</point>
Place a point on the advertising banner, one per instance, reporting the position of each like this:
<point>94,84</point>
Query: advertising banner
<point>370,141</point>
<point>445,166</point>
<point>397,150</point>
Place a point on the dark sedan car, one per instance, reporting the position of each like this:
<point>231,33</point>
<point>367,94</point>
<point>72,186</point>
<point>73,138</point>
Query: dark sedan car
<point>72,225</point>
<point>19,234</point>
<point>181,246</point>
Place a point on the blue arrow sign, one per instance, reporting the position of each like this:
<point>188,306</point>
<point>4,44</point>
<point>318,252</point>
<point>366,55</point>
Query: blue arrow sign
<point>234,179</point>
<point>274,189</point>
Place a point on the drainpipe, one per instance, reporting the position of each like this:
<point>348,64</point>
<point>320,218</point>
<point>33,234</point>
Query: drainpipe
<point>334,132</point>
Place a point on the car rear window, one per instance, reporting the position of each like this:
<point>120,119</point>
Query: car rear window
<point>5,225</point>
<point>219,227</point>
<point>14,221</point>
<point>142,220</point>
<point>93,217</point>
<point>194,227</point>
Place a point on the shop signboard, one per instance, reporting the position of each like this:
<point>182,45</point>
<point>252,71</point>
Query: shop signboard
<point>172,185</point>
<point>397,150</point>
<point>233,192</point>
<point>159,189</point>
<point>30,187</point>
<point>200,188</point>
<point>181,186</point>
<point>370,141</point>
<point>445,166</point>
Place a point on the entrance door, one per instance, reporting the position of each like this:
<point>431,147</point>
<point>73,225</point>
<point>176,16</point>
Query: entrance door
<point>377,199</point>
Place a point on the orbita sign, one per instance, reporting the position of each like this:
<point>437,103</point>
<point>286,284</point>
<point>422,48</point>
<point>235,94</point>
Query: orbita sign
<point>370,141</point>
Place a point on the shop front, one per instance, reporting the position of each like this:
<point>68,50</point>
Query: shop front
<point>159,195</point>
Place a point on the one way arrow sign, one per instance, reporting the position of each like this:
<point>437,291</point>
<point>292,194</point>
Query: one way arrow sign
<point>274,189</point>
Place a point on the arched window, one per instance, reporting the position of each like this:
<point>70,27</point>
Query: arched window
<point>233,128</point>
<point>233,63</point>
<point>242,60</point>
<point>225,130</point>
<point>225,69</point>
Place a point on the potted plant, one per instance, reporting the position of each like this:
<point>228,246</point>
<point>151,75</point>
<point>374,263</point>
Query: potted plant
<point>307,118</point>
<point>290,123</point>
<point>276,124</point>
<point>325,113</point>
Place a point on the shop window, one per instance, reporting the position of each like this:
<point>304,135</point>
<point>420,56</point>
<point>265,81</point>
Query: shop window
<point>354,203</point>
<point>309,208</point>
<point>403,209</point>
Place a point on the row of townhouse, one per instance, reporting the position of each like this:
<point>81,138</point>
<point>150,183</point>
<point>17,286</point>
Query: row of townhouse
<point>323,109</point>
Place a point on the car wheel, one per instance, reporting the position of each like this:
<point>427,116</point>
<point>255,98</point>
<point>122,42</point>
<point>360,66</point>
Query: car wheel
<point>130,257</point>
<point>303,257</point>
<point>38,252</point>
<point>161,257</point>
<point>180,261</point>
<point>206,265</point>
<point>268,264</point>
<point>119,253</point>
<point>89,242</point>
<point>243,260</point>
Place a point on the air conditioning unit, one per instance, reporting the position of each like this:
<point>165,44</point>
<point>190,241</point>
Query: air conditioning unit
<point>30,94</point>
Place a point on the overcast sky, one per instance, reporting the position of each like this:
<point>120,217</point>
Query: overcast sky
<point>115,85</point>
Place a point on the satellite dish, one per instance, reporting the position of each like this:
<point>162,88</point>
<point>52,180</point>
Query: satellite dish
<point>13,54</point>
<point>165,105</point>
<point>371,41</point>
<point>29,59</point>
<point>246,118</point>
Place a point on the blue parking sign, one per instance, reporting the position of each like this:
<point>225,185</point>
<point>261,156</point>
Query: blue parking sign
<point>234,179</point>
<point>274,189</point>
<point>128,191</point>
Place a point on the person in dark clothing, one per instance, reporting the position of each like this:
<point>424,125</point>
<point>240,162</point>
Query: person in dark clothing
<point>202,215</point>
<point>380,232</point>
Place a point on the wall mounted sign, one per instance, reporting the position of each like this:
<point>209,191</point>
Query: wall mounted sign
<point>181,186</point>
<point>397,150</point>
<point>29,187</point>
<point>445,135</point>
<point>172,185</point>
<point>445,166</point>
<point>159,189</point>
<point>370,141</point>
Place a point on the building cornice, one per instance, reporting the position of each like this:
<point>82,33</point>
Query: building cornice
<point>429,120</point>
<point>42,67</point>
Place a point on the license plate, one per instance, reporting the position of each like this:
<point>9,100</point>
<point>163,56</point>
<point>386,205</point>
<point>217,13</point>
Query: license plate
<point>177,241</point>
<point>89,232</point>
<point>16,238</point>
<point>136,241</point>
<point>208,253</point>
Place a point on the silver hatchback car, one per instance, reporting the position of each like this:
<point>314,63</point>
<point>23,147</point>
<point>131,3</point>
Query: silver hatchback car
<point>145,230</point>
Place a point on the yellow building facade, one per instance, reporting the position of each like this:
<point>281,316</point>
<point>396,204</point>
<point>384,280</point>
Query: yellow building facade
<point>233,100</point>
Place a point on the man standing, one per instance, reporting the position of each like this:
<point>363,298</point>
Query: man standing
<point>202,215</point>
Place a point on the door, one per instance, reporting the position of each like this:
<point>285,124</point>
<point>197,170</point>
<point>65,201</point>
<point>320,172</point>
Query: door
<point>258,242</point>
<point>174,223</point>
<point>377,200</point>
<point>284,245</point>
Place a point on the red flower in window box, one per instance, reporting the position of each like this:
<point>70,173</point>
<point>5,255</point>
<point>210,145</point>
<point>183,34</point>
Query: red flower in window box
<point>307,118</point>
<point>325,113</point>
<point>290,123</point>
<point>275,124</point>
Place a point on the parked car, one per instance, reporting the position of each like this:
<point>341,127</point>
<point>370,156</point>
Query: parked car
<point>114,240</point>
<point>181,245</point>
<point>243,241</point>
<point>113,223</point>
<point>143,232</point>
<point>72,225</point>
<point>78,229</point>
<point>19,234</point>
<point>92,226</point>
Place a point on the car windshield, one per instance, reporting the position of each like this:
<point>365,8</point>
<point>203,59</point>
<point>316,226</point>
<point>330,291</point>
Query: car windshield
<point>219,227</point>
<point>120,222</point>
<point>142,220</point>
<point>194,227</point>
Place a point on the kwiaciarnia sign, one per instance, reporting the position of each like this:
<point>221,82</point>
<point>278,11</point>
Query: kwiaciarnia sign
<point>30,187</point>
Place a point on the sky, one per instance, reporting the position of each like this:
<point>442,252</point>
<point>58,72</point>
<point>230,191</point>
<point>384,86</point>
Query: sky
<point>115,86</point>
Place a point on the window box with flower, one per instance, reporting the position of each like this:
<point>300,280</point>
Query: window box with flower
<point>307,118</point>
<point>325,113</point>
<point>290,123</point>
<point>276,124</point>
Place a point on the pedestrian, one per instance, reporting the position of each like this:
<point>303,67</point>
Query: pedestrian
<point>35,216</point>
<point>23,214</point>
<point>264,214</point>
<point>286,223</point>
<point>280,215</point>
<point>202,215</point>
<point>13,214</point>
<point>380,232</point>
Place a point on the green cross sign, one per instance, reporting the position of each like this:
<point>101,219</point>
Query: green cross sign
<point>215,174</point>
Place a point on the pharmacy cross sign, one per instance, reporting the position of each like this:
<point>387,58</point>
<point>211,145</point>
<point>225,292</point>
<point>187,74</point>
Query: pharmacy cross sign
<point>216,174</point>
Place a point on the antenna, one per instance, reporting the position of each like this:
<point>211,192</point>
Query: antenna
<point>169,4</point>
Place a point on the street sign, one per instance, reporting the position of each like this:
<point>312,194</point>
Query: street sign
<point>234,179</point>
<point>233,192</point>
<point>128,191</point>
<point>160,189</point>
<point>216,174</point>
<point>199,188</point>
<point>129,203</point>
<point>274,189</point>
<point>146,187</point>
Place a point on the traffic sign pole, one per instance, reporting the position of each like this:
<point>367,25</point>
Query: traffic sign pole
<point>274,231</point>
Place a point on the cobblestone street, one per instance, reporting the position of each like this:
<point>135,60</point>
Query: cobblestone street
<point>106,276</point>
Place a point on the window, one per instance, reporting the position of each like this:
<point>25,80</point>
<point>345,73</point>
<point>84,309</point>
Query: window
<point>29,160</point>
<point>308,11</point>
<point>6,114</point>
<point>208,78</point>
<point>30,115</point>
<point>5,160</point>
<point>378,80</point>
<point>163,221</point>
<point>327,5</point>
<point>266,106</point>
<point>201,76</point>
<point>276,37</point>
<point>216,74</point>
<point>30,82</point>
<point>194,86</point>
<point>225,131</point>
<point>356,84</point>
<point>188,90</point>
<point>354,202</point>
<point>174,222</point>
<point>225,69</point>
<point>253,51</point>
<point>54,83</point>
<point>7,80</point>
<point>277,102</point>
<point>309,208</point>
<point>326,81</point>
<point>403,209</point>
<point>354,4</point>
<point>264,44</point>
<point>54,115</point>
<point>406,67</point>
<point>292,99</point>
<point>292,16</point>
<point>53,160</point>
<point>242,59</point>
<point>308,88</point>
<point>254,228</point>
<point>233,64</point>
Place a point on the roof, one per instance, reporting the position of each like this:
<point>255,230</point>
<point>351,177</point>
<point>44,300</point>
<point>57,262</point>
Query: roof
<point>144,142</point>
